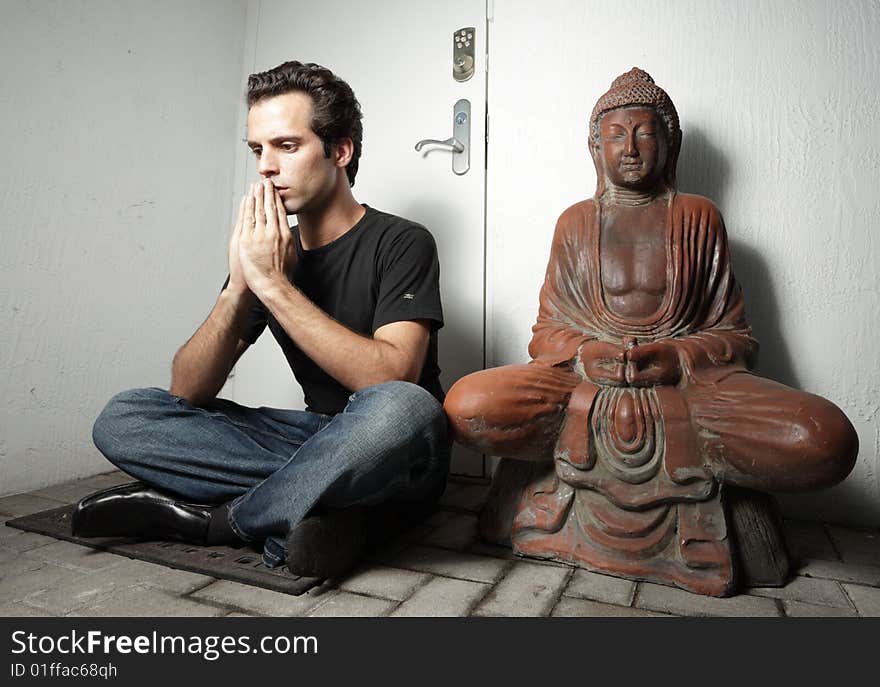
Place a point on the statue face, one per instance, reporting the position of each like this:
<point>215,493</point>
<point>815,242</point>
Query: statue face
<point>633,147</point>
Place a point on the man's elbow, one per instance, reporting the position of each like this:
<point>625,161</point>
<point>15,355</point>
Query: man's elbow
<point>392,373</point>
<point>401,376</point>
<point>191,396</point>
<point>408,371</point>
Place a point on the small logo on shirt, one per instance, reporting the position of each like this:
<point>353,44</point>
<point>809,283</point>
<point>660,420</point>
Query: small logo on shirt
<point>408,296</point>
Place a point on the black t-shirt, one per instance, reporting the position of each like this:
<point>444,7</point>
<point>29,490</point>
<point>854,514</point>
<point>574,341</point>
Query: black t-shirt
<point>383,270</point>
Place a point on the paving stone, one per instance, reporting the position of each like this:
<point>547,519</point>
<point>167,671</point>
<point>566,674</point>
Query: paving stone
<point>25,504</point>
<point>257,600</point>
<point>469,497</point>
<point>808,540</point>
<point>73,490</point>
<point>5,530</point>
<point>20,609</point>
<point>866,599</point>
<point>399,544</point>
<point>658,597</point>
<point>388,583</point>
<point>13,538</point>
<point>798,609</point>
<point>443,596</point>
<point>604,588</point>
<point>24,577</point>
<point>807,590</point>
<point>145,601</point>
<point>72,591</point>
<point>12,563</point>
<point>133,571</point>
<point>459,533</point>
<point>527,590</point>
<point>456,564</point>
<point>569,607</point>
<point>860,547</point>
<point>75,557</point>
<point>8,556</point>
<point>843,572</point>
<point>346,605</point>
<point>482,548</point>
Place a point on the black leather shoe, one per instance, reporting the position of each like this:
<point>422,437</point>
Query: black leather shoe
<point>138,510</point>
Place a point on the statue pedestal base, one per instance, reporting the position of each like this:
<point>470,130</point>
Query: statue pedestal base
<point>708,546</point>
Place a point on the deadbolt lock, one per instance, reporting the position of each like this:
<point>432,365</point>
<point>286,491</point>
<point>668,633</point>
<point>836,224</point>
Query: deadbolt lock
<point>463,51</point>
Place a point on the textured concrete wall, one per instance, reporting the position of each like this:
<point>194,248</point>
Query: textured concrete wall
<point>778,103</point>
<point>117,135</point>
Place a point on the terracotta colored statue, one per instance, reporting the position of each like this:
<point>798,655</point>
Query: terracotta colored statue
<point>638,415</point>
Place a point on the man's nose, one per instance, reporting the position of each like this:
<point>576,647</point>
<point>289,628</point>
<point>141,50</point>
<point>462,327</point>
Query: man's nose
<point>629,148</point>
<point>267,164</point>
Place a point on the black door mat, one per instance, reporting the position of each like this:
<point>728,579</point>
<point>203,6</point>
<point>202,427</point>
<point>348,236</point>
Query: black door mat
<point>224,562</point>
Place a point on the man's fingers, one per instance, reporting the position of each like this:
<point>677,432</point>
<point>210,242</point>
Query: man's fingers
<point>236,230</point>
<point>249,216</point>
<point>259,210</point>
<point>282,213</point>
<point>269,205</point>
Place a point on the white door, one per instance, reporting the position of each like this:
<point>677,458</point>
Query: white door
<point>397,55</point>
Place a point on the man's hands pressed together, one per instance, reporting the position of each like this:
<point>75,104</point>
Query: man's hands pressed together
<point>261,251</point>
<point>237,284</point>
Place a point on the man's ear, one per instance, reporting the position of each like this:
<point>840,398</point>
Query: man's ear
<point>343,149</point>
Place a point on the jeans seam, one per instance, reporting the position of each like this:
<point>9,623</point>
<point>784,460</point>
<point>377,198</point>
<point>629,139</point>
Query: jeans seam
<point>234,526</point>
<point>272,558</point>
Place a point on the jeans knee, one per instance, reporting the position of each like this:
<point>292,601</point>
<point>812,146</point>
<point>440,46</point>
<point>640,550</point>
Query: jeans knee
<point>403,403</point>
<point>116,420</point>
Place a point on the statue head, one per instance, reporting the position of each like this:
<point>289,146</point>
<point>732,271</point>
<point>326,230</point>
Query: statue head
<point>636,100</point>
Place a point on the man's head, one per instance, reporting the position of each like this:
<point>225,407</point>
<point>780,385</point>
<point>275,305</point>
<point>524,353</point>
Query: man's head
<point>635,93</point>
<point>336,112</point>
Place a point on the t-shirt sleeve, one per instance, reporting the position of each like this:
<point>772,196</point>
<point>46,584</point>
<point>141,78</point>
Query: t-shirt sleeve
<point>409,280</point>
<point>256,320</point>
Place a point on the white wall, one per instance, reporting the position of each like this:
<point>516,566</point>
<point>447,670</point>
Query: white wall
<point>778,103</point>
<point>117,135</point>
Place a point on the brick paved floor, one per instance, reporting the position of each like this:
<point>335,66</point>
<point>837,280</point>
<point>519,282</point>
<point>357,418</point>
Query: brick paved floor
<point>437,568</point>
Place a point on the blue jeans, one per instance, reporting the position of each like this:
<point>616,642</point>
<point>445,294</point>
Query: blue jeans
<point>274,465</point>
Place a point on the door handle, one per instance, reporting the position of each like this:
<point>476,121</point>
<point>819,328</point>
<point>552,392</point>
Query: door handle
<point>460,141</point>
<point>451,143</point>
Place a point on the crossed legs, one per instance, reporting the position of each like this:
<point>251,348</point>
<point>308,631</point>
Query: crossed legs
<point>755,432</point>
<point>276,465</point>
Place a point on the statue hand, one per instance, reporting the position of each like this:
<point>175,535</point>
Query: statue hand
<point>603,363</point>
<point>653,364</point>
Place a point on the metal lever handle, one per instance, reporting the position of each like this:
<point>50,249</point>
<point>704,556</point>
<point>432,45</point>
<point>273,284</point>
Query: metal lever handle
<point>453,144</point>
<point>460,142</point>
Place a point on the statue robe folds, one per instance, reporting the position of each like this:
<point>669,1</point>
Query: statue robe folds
<point>626,479</point>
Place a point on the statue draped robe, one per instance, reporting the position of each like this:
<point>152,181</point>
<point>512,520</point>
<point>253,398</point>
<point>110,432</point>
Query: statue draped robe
<point>626,479</point>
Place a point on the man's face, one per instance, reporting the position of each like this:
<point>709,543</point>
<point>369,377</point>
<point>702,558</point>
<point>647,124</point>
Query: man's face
<point>634,147</point>
<point>289,153</point>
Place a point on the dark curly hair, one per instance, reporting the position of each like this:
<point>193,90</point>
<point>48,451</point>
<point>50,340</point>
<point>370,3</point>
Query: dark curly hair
<point>336,113</point>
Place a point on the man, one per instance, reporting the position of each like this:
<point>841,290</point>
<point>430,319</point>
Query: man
<point>351,295</point>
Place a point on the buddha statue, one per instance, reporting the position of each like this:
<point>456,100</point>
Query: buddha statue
<point>638,424</point>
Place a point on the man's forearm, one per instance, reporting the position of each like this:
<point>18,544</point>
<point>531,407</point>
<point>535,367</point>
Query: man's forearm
<point>202,364</point>
<point>355,361</point>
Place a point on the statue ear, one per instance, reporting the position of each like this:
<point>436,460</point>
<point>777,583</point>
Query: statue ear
<point>596,154</point>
